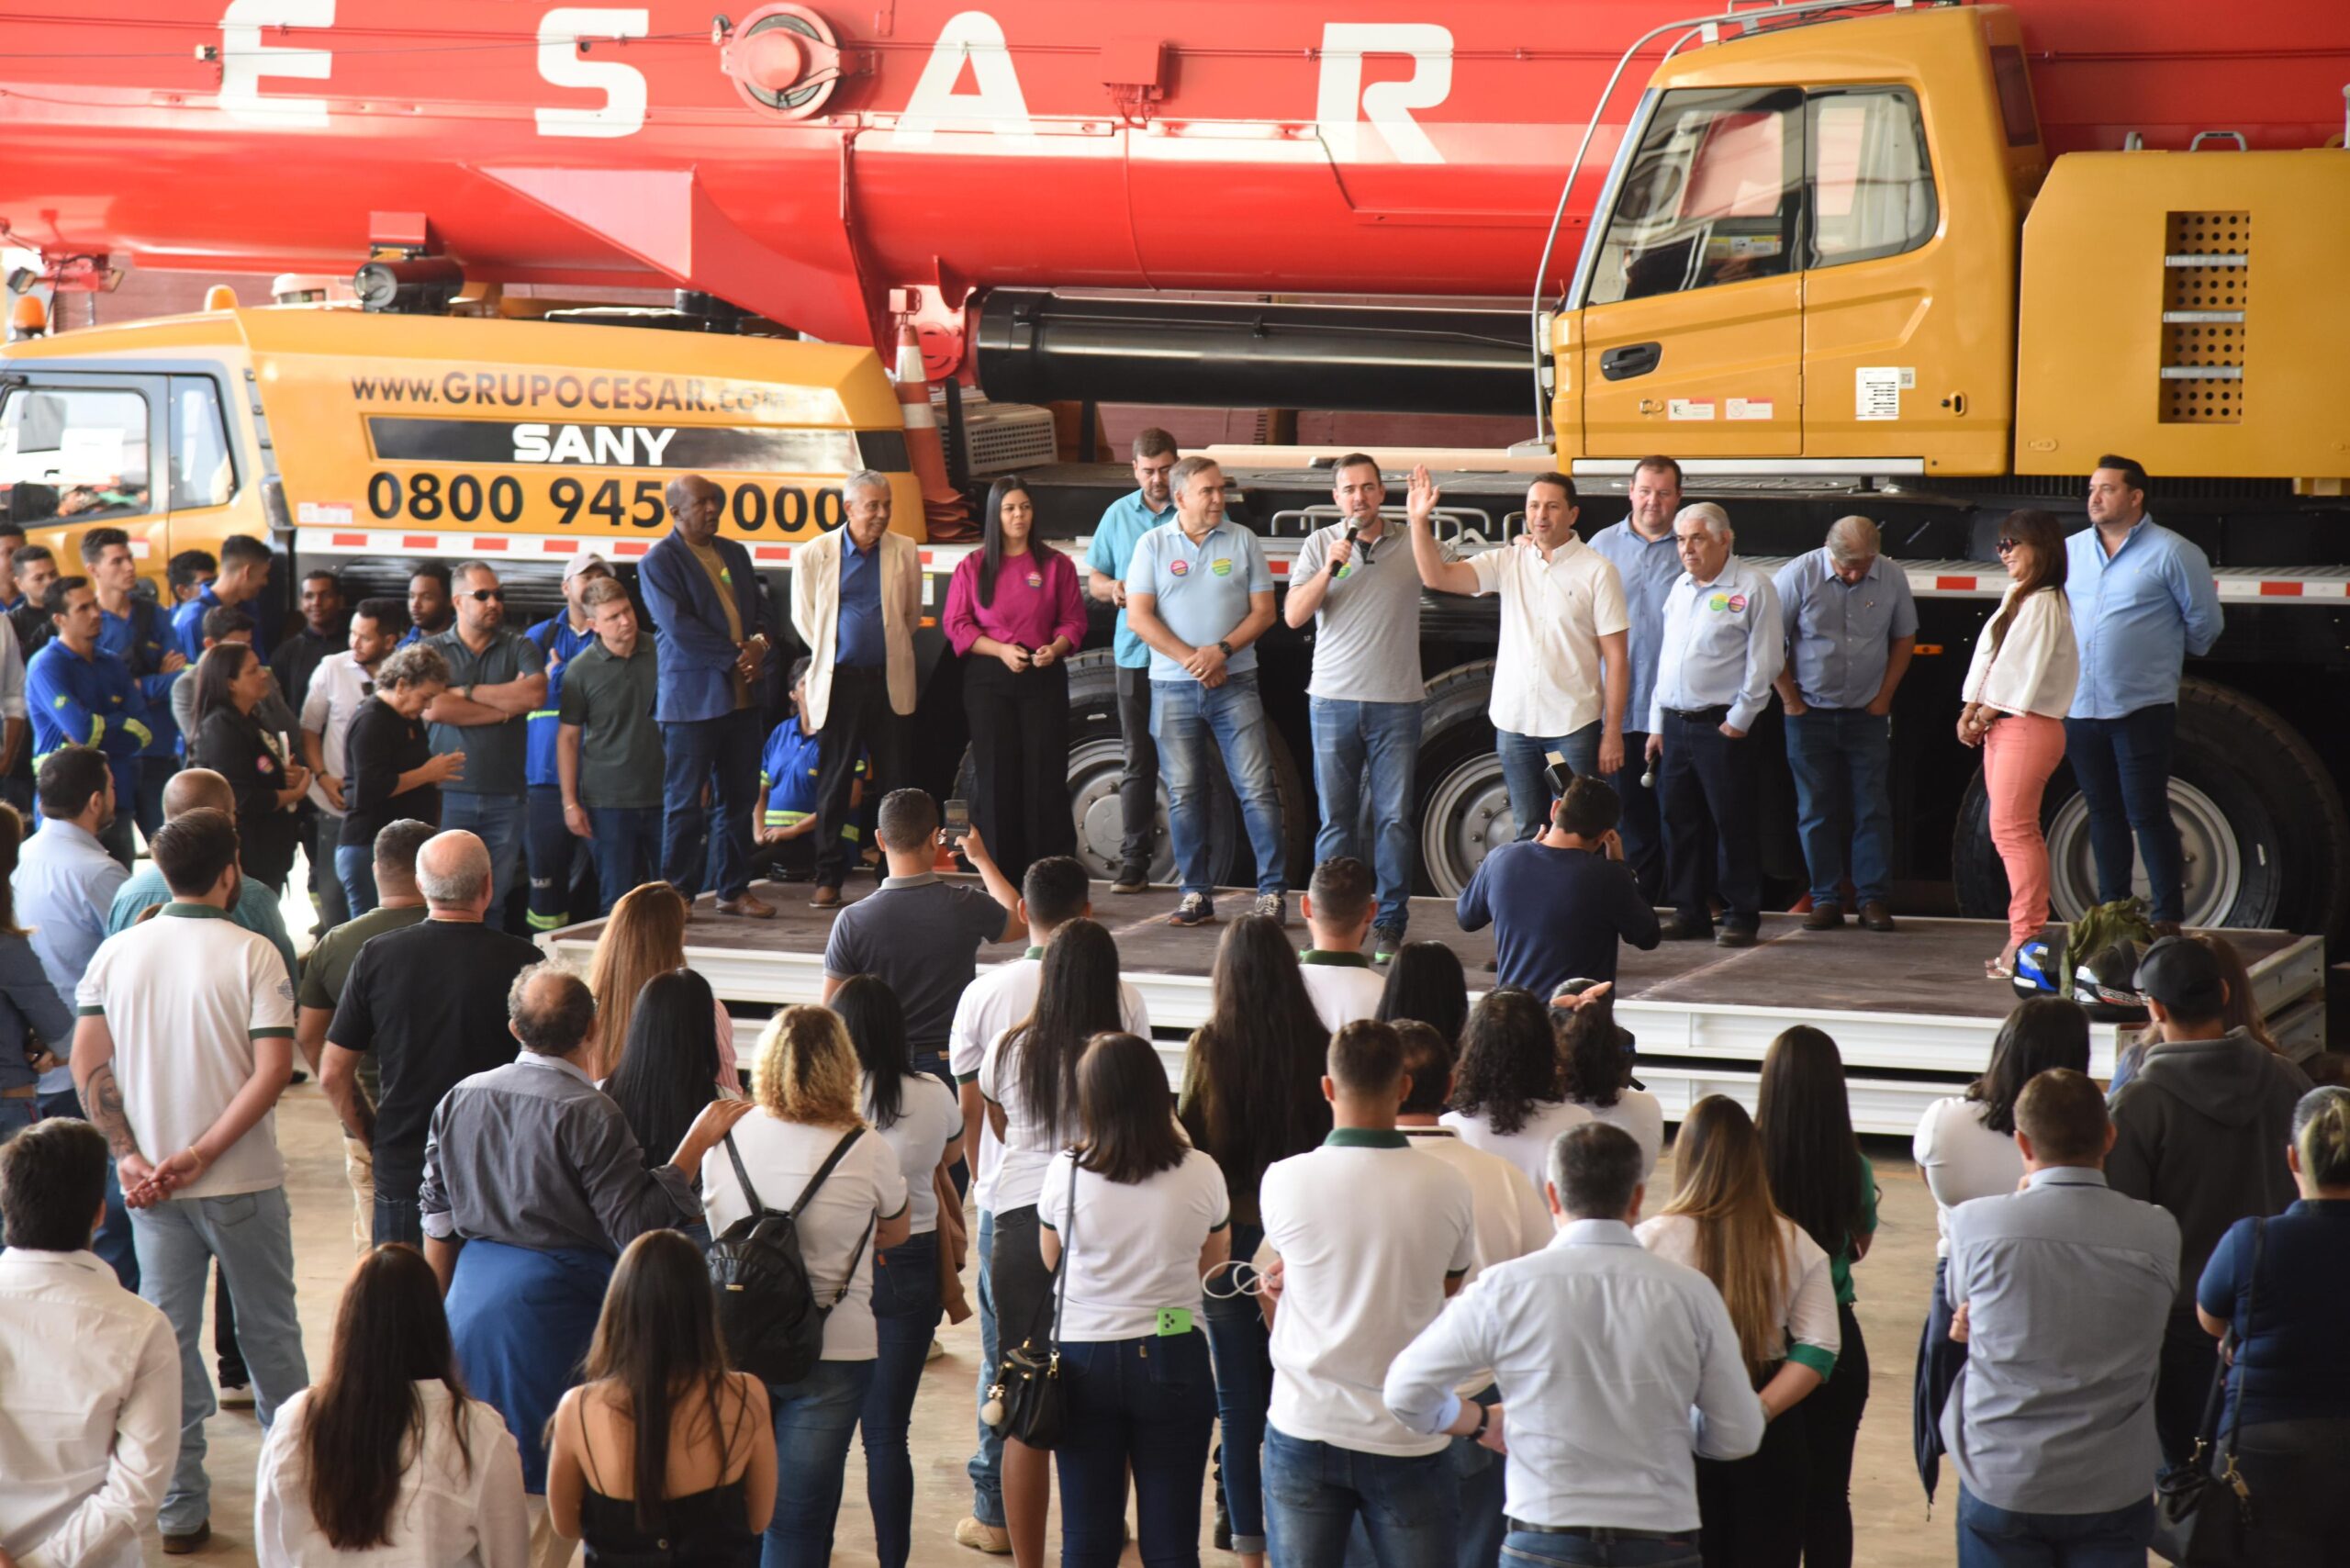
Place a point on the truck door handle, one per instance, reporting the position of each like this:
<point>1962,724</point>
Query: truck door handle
<point>1632,359</point>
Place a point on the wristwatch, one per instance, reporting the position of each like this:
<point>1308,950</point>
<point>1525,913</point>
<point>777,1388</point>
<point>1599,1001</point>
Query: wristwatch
<point>1226,646</point>
<point>468,692</point>
<point>1484,1420</point>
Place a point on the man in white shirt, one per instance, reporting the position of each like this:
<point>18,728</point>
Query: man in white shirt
<point>1617,1367</point>
<point>1054,891</point>
<point>184,1043</point>
<point>1340,907</point>
<point>1562,677</point>
<point>1371,1240</point>
<point>89,1374</point>
<point>1723,646</point>
<point>1512,1221</point>
<point>340,683</point>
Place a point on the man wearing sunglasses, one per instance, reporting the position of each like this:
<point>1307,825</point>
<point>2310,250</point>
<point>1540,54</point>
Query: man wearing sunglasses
<point>497,677</point>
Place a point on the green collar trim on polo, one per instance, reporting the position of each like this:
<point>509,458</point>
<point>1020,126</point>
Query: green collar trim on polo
<point>1343,960</point>
<point>1365,1138</point>
<point>193,911</point>
<point>1034,952</point>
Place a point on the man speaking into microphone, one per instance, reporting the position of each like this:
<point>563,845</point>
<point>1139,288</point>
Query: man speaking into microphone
<point>1360,588</point>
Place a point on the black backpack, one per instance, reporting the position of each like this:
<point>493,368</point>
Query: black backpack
<point>767,1311</point>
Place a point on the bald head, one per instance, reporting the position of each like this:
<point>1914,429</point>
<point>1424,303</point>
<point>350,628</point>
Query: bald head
<point>197,789</point>
<point>695,504</point>
<point>454,873</point>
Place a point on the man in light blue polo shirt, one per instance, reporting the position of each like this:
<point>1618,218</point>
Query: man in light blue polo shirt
<point>1123,525</point>
<point>1200,595</point>
<point>1851,626</point>
<point>1647,564</point>
<point>2143,599</point>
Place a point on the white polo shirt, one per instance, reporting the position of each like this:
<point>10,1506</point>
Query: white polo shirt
<point>1001,996</point>
<point>1529,1148</point>
<point>186,995</point>
<point>1546,671</point>
<point>1344,986</point>
<point>1512,1217</point>
<point>1133,1249</point>
<point>1367,1231</point>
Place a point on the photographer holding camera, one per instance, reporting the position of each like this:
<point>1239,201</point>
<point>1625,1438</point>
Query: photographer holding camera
<point>1560,904</point>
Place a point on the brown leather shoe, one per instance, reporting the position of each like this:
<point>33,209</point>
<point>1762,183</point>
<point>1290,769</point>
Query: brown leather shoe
<point>196,1539</point>
<point>824,897</point>
<point>1875,917</point>
<point>748,905</point>
<point>1824,917</point>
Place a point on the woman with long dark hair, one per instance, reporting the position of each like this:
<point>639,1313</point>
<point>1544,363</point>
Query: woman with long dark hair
<point>230,682</point>
<point>1509,1091</point>
<point>1597,1056</point>
<point>662,1455</point>
<point>668,1065</point>
<point>1775,1281</point>
<point>384,1459</point>
<point>920,1119</point>
<point>1014,612</point>
<point>1028,1083</point>
<point>1426,985</point>
<point>1137,1217</point>
<point>1966,1148</point>
<point>1252,1095</point>
<point>1821,1181</point>
<point>2017,692</point>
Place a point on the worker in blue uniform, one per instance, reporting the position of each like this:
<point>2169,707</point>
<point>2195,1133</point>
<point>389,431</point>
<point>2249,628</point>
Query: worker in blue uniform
<point>562,866</point>
<point>77,694</point>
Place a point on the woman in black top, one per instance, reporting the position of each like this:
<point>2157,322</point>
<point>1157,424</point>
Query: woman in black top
<point>230,683</point>
<point>389,770</point>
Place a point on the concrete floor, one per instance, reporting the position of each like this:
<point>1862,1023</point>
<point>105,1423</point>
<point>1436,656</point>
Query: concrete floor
<point>1890,1508</point>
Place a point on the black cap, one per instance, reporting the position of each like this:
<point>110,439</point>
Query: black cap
<point>2184,976</point>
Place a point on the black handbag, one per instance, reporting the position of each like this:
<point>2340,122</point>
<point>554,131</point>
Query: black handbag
<point>2203,1516</point>
<point>1024,1401</point>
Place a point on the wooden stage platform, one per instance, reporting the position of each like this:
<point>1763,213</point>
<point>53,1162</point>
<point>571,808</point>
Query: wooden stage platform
<point>1910,1011</point>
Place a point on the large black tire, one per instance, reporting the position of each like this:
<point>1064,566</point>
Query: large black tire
<point>1463,805</point>
<point>1097,757</point>
<point>2265,834</point>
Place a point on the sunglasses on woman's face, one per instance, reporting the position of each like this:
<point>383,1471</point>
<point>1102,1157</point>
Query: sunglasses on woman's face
<point>2008,546</point>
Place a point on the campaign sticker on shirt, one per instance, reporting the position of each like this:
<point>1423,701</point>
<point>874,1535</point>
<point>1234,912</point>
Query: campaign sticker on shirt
<point>1737,604</point>
<point>1345,571</point>
<point>1220,567</point>
<point>1036,580</point>
<point>264,764</point>
<point>1179,568</point>
<point>1719,601</point>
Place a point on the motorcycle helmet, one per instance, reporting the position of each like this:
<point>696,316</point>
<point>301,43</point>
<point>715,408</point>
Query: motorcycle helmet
<point>2106,982</point>
<point>2037,969</point>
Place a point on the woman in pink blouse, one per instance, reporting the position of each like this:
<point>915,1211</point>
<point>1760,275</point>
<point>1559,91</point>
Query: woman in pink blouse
<point>1014,612</point>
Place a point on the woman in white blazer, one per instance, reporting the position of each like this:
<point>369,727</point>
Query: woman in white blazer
<point>2017,692</point>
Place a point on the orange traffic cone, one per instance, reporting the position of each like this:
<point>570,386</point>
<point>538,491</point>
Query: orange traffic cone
<point>943,510</point>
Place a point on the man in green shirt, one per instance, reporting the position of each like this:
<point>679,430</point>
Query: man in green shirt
<point>608,750</point>
<point>398,902</point>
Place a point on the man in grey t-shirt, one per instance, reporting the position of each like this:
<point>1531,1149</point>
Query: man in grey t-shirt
<point>496,678</point>
<point>1359,586</point>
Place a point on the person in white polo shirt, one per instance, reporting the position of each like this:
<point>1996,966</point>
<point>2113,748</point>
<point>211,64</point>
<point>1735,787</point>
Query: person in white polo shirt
<point>1054,891</point>
<point>1562,676</point>
<point>1340,907</point>
<point>184,1042</point>
<point>1372,1237</point>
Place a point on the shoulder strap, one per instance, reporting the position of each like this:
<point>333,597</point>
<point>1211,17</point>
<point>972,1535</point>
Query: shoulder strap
<point>1069,1230</point>
<point>2250,1306</point>
<point>840,1151</point>
<point>750,1194</point>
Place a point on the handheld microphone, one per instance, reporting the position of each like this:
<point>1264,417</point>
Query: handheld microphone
<point>1648,779</point>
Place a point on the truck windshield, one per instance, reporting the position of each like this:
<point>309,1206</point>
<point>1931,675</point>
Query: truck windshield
<point>72,451</point>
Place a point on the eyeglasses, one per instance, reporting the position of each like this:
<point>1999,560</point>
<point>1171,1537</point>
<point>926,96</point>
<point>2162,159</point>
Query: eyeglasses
<point>483,596</point>
<point>2010,547</point>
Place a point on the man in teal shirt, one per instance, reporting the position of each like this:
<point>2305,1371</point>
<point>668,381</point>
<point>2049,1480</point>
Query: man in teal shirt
<point>190,789</point>
<point>1122,527</point>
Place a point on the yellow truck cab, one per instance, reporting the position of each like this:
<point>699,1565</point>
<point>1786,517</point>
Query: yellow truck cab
<point>340,435</point>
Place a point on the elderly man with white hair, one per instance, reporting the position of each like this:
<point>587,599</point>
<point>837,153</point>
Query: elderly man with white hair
<point>856,602</point>
<point>1722,648</point>
<point>429,1003</point>
<point>1849,627</point>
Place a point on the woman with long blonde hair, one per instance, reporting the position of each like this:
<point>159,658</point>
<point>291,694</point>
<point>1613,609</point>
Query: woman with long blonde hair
<point>644,937</point>
<point>1775,1281</point>
<point>810,1114</point>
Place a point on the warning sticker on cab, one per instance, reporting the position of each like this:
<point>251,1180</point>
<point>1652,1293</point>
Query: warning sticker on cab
<point>1877,388</point>
<point>1690,408</point>
<point>1747,408</point>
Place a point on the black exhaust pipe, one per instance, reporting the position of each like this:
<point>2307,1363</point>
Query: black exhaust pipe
<point>1040,347</point>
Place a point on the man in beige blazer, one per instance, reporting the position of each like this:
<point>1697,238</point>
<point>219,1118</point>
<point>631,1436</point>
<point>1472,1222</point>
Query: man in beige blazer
<point>856,600</point>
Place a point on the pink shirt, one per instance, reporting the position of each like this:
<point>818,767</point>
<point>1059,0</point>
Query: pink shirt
<point>1037,599</point>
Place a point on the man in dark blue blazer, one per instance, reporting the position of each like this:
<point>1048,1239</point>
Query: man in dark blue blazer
<point>705,598</point>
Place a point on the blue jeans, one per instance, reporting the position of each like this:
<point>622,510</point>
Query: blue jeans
<point>497,820</point>
<point>1641,829</point>
<point>355,867</point>
<point>252,1236</point>
<point>1533,1548</point>
<point>905,1311</point>
<point>628,850</point>
<point>1841,759</point>
<point>1994,1538</point>
<point>398,1217</point>
<point>1522,759</point>
<point>814,1419</point>
<point>2124,769</point>
<point>1383,740</point>
<point>113,1243</point>
<point>1191,722</point>
<point>724,754</point>
<point>1314,1491</point>
<point>1242,1349</point>
<point>986,1466</point>
<point>1145,1405</point>
<point>1482,1473</point>
<point>15,1115</point>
